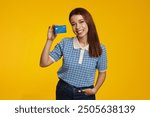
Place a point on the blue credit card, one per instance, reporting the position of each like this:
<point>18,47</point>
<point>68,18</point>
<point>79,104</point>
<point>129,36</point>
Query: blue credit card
<point>60,29</point>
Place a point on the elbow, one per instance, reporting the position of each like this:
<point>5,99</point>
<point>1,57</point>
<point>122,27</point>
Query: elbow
<point>45,63</point>
<point>41,64</point>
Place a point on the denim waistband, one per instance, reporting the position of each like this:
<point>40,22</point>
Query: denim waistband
<point>74,87</point>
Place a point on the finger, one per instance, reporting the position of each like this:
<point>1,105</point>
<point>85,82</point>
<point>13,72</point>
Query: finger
<point>49,28</point>
<point>83,90</point>
<point>86,89</point>
<point>53,25</point>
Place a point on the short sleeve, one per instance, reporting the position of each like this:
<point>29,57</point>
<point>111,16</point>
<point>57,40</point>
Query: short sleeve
<point>102,60</point>
<point>57,52</point>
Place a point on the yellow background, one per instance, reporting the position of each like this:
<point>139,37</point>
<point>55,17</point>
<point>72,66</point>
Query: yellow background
<point>123,26</point>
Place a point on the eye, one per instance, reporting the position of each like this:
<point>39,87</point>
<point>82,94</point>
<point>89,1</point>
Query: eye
<point>82,21</point>
<point>73,23</point>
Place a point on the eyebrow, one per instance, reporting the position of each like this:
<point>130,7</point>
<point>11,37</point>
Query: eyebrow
<point>81,19</point>
<point>78,20</point>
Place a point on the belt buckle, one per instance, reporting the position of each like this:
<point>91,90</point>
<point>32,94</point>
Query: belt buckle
<point>79,91</point>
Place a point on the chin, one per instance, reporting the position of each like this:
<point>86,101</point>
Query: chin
<point>80,36</point>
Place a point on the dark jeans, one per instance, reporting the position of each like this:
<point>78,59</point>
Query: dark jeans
<point>65,91</point>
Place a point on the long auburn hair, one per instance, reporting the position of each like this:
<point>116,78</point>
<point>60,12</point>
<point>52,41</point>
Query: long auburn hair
<point>95,49</point>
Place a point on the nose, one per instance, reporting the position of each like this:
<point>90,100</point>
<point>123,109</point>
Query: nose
<point>78,26</point>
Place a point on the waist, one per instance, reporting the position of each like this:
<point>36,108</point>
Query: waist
<point>74,87</point>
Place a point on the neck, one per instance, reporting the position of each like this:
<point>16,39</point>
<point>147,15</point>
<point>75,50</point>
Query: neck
<point>83,41</point>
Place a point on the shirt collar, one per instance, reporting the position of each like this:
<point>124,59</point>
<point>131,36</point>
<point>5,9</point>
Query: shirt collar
<point>77,45</point>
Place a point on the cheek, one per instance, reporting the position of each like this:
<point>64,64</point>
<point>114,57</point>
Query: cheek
<point>73,29</point>
<point>85,26</point>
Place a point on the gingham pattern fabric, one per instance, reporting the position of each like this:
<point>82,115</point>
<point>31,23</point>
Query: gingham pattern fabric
<point>73,72</point>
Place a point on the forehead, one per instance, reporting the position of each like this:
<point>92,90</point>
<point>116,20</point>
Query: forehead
<point>76,18</point>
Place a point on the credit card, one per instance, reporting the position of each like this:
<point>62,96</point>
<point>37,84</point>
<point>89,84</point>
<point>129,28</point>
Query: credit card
<point>60,29</point>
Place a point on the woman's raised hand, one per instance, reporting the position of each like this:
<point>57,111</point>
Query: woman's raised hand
<point>50,34</point>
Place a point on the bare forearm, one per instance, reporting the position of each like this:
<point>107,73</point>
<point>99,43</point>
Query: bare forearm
<point>45,59</point>
<point>100,80</point>
<point>45,53</point>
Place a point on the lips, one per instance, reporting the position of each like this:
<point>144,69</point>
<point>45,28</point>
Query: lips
<point>79,31</point>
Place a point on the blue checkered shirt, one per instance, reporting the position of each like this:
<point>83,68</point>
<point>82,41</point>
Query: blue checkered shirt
<point>78,68</point>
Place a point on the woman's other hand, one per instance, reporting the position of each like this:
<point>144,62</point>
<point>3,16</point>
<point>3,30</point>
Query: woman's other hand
<point>89,91</point>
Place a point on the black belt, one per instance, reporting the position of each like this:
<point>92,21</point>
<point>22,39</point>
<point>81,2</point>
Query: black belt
<point>78,89</point>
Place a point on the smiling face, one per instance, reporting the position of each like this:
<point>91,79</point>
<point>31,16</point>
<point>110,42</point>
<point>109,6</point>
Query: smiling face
<point>79,26</point>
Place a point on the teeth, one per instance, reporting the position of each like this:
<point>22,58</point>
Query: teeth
<point>80,31</point>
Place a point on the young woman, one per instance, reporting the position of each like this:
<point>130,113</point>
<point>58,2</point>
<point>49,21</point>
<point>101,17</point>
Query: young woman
<point>82,55</point>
